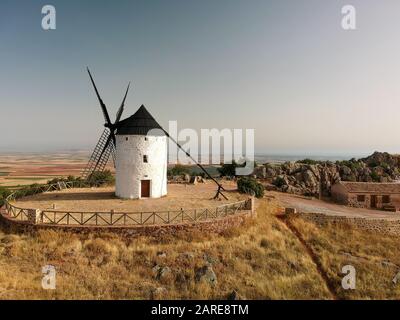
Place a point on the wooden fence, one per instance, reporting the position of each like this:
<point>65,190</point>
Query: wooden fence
<point>112,218</point>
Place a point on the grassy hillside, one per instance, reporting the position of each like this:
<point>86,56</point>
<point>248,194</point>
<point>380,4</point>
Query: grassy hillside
<point>375,257</point>
<point>261,260</point>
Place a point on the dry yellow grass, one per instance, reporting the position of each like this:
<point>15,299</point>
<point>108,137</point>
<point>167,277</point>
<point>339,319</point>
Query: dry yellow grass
<point>375,257</point>
<point>261,260</point>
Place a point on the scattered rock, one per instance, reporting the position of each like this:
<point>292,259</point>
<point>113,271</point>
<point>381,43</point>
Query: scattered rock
<point>188,255</point>
<point>161,254</point>
<point>306,178</point>
<point>182,279</point>
<point>289,210</point>
<point>200,179</point>
<point>207,274</point>
<point>156,269</point>
<point>209,259</point>
<point>396,278</point>
<point>164,272</point>
<point>158,293</point>
<point>264,243</point>
<point>161,272</point>
<point>10,238</point>
<point>234,295</point>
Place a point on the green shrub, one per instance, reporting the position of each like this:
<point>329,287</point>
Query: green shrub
<point>200,174</point>
<point>99,178</point>
<point>308,161</point>
<point>279,182</point>
<point>229,169</point>
<point>4,193</point>
<point>178,170</point>
<point>61,179</point>
<point>375,176</point>
<point>250,186</point>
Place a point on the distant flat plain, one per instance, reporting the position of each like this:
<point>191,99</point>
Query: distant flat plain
<point>26,168</point>
<point>23,168</point>
<point>18,169</point>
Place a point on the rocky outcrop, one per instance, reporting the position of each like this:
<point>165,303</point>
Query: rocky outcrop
<point>307,177</point>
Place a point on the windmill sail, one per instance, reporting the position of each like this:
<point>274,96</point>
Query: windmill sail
<point>220,187</point>
<point>102,105</point>
<point>106,145</point>
<point>99,158</point>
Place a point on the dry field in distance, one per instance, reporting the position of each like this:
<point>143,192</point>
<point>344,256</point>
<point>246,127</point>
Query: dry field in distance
<point>27,168</point>
<point>17,169</point>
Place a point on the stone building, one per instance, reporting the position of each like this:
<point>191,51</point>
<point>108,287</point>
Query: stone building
<point>367,195</point>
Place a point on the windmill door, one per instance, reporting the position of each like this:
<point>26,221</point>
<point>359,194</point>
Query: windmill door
<point>145,189</point>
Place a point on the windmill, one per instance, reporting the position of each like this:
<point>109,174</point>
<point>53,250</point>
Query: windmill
<point>105,147</point>
<point>137,125</point>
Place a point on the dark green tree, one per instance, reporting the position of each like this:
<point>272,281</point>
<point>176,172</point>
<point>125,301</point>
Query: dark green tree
<point>250,186</point>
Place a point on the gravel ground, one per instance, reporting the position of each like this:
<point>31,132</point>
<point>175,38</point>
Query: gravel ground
<point>103,199</point>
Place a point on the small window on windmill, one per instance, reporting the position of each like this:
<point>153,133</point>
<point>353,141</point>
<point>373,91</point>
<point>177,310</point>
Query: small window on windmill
<point>145,139</point>
<point>126,138</point>
<point>145,160</point>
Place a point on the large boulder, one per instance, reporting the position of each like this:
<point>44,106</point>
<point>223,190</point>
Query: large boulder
<point>260,172</point>
<point>307,177</point>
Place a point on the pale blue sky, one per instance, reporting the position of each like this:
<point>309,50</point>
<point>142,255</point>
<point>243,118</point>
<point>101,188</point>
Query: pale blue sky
<point>285,68</point>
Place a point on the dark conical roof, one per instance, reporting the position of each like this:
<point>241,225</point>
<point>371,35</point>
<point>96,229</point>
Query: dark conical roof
<point>138,124</point>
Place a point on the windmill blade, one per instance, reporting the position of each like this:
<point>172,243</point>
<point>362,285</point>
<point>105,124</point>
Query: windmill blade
<point>98,160</point>
<point>103,106</point>
<point>113,139</point>
<point>113,152</point>
<point>121,108</point>
<point>104,154</point>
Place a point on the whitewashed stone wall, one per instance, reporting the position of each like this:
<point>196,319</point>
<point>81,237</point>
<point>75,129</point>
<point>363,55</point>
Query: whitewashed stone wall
<point>130,168</point>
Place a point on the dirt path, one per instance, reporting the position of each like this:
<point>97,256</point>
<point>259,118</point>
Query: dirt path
<point>329,285</point>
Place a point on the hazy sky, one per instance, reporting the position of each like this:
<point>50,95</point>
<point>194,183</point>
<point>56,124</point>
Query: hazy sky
<point>285,68</point>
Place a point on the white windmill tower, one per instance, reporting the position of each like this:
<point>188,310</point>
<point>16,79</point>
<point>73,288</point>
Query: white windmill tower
<point>141,157</point>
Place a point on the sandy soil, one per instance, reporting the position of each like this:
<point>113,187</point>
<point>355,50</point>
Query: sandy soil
<point>103,199</point>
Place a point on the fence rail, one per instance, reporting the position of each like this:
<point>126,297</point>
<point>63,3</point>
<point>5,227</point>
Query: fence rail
<point>112,218</point>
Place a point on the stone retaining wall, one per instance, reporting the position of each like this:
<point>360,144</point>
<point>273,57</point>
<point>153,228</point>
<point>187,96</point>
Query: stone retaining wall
<point>383,226</point>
